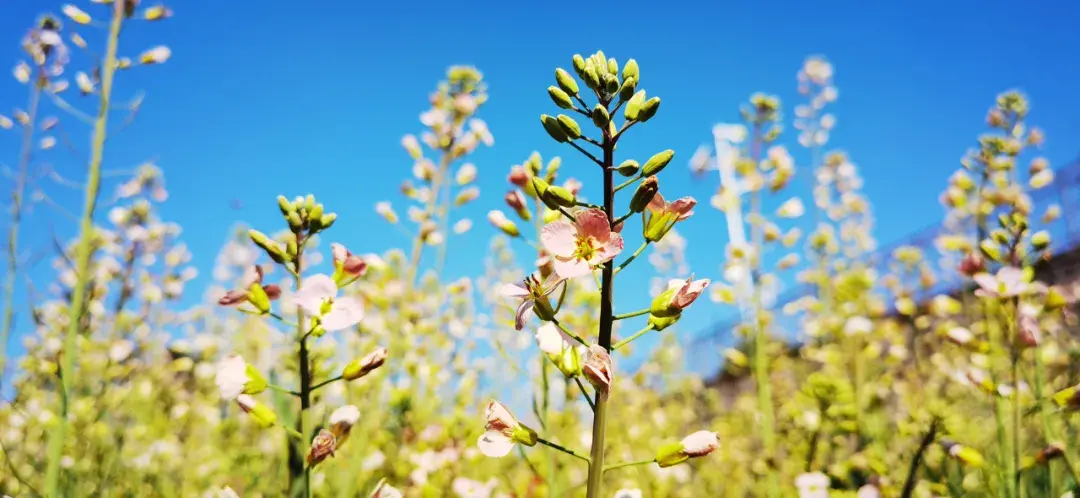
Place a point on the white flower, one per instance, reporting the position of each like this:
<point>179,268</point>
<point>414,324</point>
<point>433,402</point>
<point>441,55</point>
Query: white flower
<point>348,415</point>
<point>156,55</point>
<point>868,491</point>
<point>734,133</point>
<point>858,325</point>
<point>466,174</point>
<point>22,72</point>
<point>318,296</point>
<point>383,490</point>
<point>120,350</point>
<point>700,443</point>
<point>500,426</point>
<point>791,208</point>
<point>812,485</point>
<point>468,488</point>
<point>628,493</point>
<point>462,226</point>
<point>231,376</point>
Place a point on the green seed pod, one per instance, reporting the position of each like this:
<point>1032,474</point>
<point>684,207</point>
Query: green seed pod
<point>551,125</point>
<point>591,76</point>
<point>566,82</point>
<point>579,65</point>
<point>657,162</point>
<point>630,70</point>
<point>560,98</point>
<point>644,194</point>
<point>612,66</point>
<point>628,168</point>
<point>600,116</point>
<point>569,126</point>
<point>626,91</point>
<point>634,105</point>
<point>649,109</point>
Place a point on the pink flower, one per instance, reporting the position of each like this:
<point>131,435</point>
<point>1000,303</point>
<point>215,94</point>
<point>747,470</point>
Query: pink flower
<point>533,295</point>
<point>251,290</point>
<point>502,430</point>
<point>597,369</point>
<point>679,295</point>
<point>661,215</point>
<point>318,296</point>
<point>580,246</point>
<point>1030,333</point>
<point>1008,282</point>
<point>347,266</point>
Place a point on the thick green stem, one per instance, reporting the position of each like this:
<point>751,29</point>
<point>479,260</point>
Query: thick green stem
<point>16,217</point>
<point>82,256</point>
<point>607,315</point>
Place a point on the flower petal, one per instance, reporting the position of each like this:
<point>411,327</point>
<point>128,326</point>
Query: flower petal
<point>550,339</point>
<point>494,444</point>
<point>313,292</point>
<point>559,238</point>
<point>517,291</point>
<point>344,313</point>
<point>523,313</point>
<point>593,223</point>
<point>611,248</point>
<point>572,268</point>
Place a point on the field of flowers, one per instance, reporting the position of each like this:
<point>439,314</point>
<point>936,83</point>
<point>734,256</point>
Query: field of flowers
<point>317,369</point>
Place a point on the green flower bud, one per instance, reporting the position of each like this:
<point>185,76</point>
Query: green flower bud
<point>290,247</point>
<point>634,105</point>
<point>661,305</point>
<point>626,91</point>
<point>309,203</point>
<point>566,82</point>
<point>272,248</point>
<point>628,168</point>
<point>551,125</point>
<point>560,98</point>
<point>579,65</point>
<point>258,298</point>
<point>657,162</point>
<point>569,126</point>
<point>523,435</point>
<point>256,382</point>
<point>591,77</point>
<point>611,83</point>
<point>1054,299</point>
<point>600,116</point>
<point>559,196</point>
<point>613,66</point>
<point>284,204</point>
<point>644,194</point>
<point>671,454</point>
<point>327,220</point>
<point>262,414</point>
<point>600,61</point>
<point>648,110</point>
<point>295,223</point>
<point>553,168</point>
<point>363,366</point>
<point>1040,240</point>
<point>630,70</point>
<point>659,323</point>
<point>990,250</point>
<point>315,218</point>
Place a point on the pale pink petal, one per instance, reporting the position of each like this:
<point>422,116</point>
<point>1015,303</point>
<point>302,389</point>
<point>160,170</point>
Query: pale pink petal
<point>344,313</point>
<point>550,339</point>
<point>684,207</point>
<point>593,223</point>
<point>559,238</point>
<point>690,292</point>
<point>523,313</point>
<point>611,248</point>
<point>987,282</point>
<point>339,251</point>
<point>552,283</point>
<point>494,444</point>
<point>516,291</point>
<point>313,292</point>
<point>572,268</point>
<point>657,203</point>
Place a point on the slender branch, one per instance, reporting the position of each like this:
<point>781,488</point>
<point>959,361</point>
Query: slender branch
<point>630,339</point>
<point>325,382</point>
<point>562,449</point>
<point>586,153</point>
<point>77,306</point>
<point>628,464</point>
<point>627,183</point>
<point>625,126</point>
<point>586,204</point>
<point>631,314</point>
<point>590,140</point>
<point>585,394</point>
<point>567,332</point>
<point>566,213</point>
<point>280,389</point>
<point>913,470</point>
<point>632,256</point>
<point>622,219</point>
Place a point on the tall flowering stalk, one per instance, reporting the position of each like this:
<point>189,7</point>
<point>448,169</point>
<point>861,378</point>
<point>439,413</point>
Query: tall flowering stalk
<point>106,67</point>
<point>587,238</point>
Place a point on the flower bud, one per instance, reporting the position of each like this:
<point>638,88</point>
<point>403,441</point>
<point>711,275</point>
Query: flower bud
<point>551,125</point>
<point>500,221</point>
<point>258,298</point>
<point>295,223</point>
<point>631,71</point>
<point>1040,240</point>
<point>516,200</point>
<point>644,194</point>
<point>626,91</point>
<point>560,98</point>
<point>661,323</point>
<point>611,83</point>
<point>633,106</point>
<point>560,196</point>
<point>315,218</point>
<point>591,76</point>
<point>363,366</point>
<point>273,249</point>
<point>322,446</point>
<point>566,82</point>
<point>579,65</point>
<point>696,445</point>
<point>628,168</point>
<point>597,369</point>
<point>518,176</point>
<point>649,108</point>
<point>262,414</point>
<point>569,126</point>
<point>657,162</point>
<point>1054,299</point>
<point>327,220</point>
<point>600,116</point>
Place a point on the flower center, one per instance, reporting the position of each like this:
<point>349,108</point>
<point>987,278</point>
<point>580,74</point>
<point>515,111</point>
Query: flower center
<point>327,304</point>
<point>584,248</point>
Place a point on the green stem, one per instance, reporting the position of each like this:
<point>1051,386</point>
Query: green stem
<point>567,332</point>
<point>305,373</point>
<point>562,449</point>
<point>622,219</point>
<point>280,389</point>
<point>599,427</point>
<point>1044,414</point>
<point>631,314</point>
<point>913,470</point>
<point>16,216</point>
<point>637,253</point>
<point>628,340</point>
<point>82,257</point>
<point>627,183</point>
<point>585,394</point>
<point>325,382</point>
<point>628,464</point>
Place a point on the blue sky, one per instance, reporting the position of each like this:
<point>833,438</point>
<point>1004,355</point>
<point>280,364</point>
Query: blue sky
<point>277,97</point>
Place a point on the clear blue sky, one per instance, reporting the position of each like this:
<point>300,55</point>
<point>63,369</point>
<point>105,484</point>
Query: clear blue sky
<point>291,97</point>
